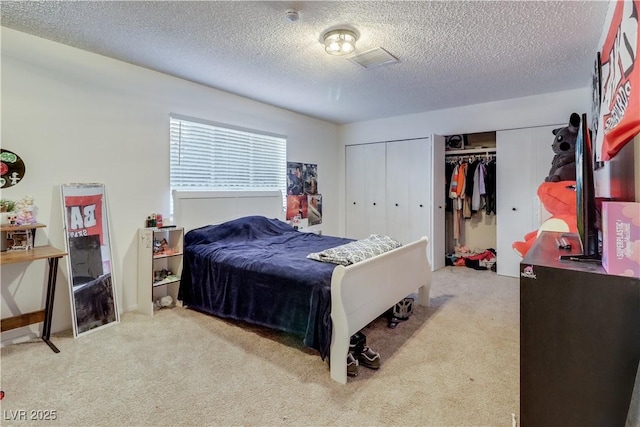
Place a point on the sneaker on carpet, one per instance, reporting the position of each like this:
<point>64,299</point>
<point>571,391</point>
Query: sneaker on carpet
<point>352,365</point>
<point>369,358</point>
<point>357,343</point>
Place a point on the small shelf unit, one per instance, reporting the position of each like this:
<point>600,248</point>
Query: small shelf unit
<point>159,265</point>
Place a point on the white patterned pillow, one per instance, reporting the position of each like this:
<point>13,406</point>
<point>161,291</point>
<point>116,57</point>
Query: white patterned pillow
<point>356,251</point>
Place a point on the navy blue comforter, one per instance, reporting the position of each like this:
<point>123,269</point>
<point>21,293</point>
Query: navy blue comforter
<point>255,269</point>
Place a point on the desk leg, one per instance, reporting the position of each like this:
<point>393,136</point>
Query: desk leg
<point>48,310</point>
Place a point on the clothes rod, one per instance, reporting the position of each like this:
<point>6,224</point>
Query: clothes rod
<point>470,151</point>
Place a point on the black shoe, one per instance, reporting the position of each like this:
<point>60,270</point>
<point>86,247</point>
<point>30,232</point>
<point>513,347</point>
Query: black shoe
<point>357,343</point>
<point>393,322</point>
<point>352,365</point>
<point>369,358</point>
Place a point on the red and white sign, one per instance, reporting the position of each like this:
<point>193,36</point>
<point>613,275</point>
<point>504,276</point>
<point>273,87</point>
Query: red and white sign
<point>619,120</point>
<point>84,216</point>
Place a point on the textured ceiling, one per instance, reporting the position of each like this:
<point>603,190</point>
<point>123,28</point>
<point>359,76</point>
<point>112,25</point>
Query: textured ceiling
<point>452,53</point>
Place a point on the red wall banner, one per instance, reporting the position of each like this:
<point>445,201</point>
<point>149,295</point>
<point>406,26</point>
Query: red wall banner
<point>620,105</point>
<point>84,216</point>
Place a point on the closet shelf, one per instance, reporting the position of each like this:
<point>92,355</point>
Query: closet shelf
<point>470,151</point>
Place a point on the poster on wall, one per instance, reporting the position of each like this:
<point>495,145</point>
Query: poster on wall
<point>303,200</point>
<point>314,209</point>
<point>310,178</point>
<point>295,186</point>
<point>619,115</point>
<point>91,284</point>
<point>297,207</point>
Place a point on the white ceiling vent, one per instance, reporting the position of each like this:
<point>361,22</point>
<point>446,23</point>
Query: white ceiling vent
<point>373,58</point>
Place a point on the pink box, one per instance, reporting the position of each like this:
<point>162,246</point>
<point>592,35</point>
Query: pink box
<point>621,238</point>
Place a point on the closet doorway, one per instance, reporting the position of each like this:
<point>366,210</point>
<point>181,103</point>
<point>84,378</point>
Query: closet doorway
<point>470,194</point>
<point>525,157</point>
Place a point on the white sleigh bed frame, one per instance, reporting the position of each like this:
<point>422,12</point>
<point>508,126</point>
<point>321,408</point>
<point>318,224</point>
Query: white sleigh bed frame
<point>360,292</point>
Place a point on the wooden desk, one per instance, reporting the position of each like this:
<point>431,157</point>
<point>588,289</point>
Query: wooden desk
<point>6,227</point>
<point>52,255</point>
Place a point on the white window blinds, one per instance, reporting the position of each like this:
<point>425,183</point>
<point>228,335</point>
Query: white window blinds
<point>208,156</point>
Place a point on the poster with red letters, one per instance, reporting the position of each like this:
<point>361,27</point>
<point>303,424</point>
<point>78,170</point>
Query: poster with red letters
<point>84,215</point>
<point>619,118</point>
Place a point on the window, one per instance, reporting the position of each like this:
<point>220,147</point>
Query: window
<point>210,156</point>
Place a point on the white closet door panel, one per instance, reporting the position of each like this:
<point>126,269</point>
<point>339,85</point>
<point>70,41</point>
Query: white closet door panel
<point>365,190</point>
<point>399,178</point>
<point>521,168</point>
<point>420,185</point>
<point>513,196</point>
<point>436,234</point>
<point>355,190</point>
<point>390,190</point>
<point>375,189</point>
<point>410,183</point>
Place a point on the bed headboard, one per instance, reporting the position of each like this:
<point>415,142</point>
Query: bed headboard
<point>193,209</point>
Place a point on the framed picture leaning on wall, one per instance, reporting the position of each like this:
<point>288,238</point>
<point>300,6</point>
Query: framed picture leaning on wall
<point>91,282</point>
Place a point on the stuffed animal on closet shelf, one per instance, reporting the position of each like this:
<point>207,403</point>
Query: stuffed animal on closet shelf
<point>563,165</point>
<point>559,199</point>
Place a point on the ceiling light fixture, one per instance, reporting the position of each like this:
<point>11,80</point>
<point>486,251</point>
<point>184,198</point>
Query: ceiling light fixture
<point>291,15</point>
<point>340,42</point>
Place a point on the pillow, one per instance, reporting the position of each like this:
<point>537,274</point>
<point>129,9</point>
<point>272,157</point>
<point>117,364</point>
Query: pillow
<point>356,251</point>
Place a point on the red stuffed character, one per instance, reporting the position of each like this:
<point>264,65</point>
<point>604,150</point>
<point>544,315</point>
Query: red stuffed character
<point>559,199</point>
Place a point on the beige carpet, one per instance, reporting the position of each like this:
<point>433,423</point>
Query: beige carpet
<point>453,364</point>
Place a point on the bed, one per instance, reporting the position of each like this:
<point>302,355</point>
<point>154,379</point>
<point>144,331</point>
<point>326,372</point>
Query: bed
<point>236,245</point>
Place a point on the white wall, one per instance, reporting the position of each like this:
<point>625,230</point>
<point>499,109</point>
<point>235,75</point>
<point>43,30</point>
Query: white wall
<point>75,116</point>
<point>540,110</point>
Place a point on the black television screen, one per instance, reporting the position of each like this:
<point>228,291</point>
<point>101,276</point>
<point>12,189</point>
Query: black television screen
<point>587,220</point>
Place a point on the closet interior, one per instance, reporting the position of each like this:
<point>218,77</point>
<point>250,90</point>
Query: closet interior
<point>470,196</point>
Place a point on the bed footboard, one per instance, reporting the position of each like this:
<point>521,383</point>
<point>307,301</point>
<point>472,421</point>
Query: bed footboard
<point>363,291</point>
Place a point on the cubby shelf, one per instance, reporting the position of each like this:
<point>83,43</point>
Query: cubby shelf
<point>166,281</point>
<point>150,262</point>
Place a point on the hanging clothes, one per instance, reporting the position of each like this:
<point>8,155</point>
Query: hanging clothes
<point>449,167</point>
<point>490,186</point>
<point>453,195</point>
<point>460,196</point>
<point>476,196</point>
<point>470,188</point>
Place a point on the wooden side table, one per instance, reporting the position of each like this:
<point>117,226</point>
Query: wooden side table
<point>52,255</point>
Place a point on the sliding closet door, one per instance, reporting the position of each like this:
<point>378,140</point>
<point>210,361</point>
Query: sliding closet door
<point>525,160</point>
<point>408,189</point>
<point>436,247</point>
<point>412,207</point>
<point>390,190</point>
<point>354,189</point>
<point>365,190</point>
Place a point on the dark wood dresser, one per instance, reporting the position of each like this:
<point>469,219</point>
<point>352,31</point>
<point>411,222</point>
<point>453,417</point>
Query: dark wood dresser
<point>579,339</point>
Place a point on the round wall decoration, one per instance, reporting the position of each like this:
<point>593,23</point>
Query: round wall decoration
<point>12,168</point>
